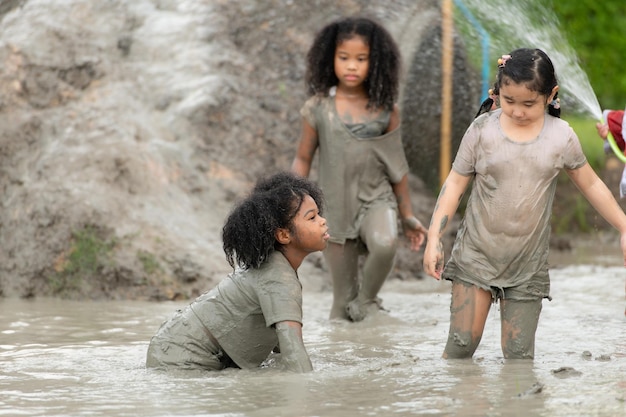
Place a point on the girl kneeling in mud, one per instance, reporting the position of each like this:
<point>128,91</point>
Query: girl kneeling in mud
<point>259,306</point>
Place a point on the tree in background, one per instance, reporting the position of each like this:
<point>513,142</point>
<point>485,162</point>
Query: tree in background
<point>597,32</point>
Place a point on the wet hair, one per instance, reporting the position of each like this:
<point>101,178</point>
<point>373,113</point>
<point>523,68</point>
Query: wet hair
<point>531,67</point>
<point>383,74</point>
<point>249,231</point>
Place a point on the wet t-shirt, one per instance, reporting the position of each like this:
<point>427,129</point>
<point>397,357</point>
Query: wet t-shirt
<point>241,310</point>
<point>355,173</point>
<point>504,237</point>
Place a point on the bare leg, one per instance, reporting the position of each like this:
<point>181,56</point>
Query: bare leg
<point>379,232</point>
<point>468,312</point>
<point>342,261</point>
<point>519,324</point>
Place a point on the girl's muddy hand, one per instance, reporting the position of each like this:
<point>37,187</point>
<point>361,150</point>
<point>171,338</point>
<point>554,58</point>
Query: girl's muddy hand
<point>415,232</point>
<point>433,259</point>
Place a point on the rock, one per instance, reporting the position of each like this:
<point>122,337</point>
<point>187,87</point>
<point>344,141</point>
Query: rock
<point>566,372</point>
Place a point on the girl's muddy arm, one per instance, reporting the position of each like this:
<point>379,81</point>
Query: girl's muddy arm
<point>306,150</point>
<point>394,119</point>
<point>293,353</point>
<point>601,198</point>
<point>413,228</point>
<point>447,203</point>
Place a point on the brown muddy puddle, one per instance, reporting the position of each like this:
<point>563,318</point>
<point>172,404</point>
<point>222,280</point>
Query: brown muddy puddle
<point>62,358</point>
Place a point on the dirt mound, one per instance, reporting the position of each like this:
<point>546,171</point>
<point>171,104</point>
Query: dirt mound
<point>128,129</point>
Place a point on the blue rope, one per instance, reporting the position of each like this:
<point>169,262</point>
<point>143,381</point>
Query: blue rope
<point>484,46</point>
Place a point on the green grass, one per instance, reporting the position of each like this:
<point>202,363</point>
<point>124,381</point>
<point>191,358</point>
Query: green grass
<point>149,262</point>
<point>574,216</point>
<point>592,144</point>
<point>573,211</point>
<point>87,254</point>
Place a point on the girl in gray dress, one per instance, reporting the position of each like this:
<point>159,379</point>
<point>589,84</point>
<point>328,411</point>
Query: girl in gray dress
<point>257,308</point>
<point>513,155</point>
<point>351,117</point>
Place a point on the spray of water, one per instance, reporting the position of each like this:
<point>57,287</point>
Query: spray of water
<point>531,24</point>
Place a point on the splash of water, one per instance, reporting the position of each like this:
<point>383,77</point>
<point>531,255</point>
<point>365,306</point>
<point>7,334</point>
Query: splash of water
<point>531,24</point>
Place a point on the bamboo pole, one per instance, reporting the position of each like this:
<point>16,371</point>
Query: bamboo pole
<point>447,53</point>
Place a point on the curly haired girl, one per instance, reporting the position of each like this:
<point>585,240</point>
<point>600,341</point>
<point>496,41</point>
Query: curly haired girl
<point>352,76</point>
<point>259,306</point>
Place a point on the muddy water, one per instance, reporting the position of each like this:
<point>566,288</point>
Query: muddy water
<point>61,358</point>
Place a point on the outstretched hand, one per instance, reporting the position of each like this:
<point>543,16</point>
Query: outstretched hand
<point>415,232</point>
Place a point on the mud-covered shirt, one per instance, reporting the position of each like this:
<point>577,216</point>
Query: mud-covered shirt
<point>242,309</point>
<point>355,173</point>
<point>504,237</point>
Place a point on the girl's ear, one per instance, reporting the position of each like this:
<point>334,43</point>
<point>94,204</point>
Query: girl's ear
<point>283,236</point>
<point>553,93</point>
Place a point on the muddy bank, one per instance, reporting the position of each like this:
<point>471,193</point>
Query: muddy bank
<point>128,129</point>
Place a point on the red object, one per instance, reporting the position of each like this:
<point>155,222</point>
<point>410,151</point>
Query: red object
<point>615,120</point>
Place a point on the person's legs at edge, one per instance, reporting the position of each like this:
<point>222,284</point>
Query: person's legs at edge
<point>468,312</point>
<point>342,261</point>
<point>519,321</point>
<point>379,232</point>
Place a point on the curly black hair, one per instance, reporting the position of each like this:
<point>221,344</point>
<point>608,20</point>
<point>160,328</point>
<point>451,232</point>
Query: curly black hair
<point>249,231</point>
<point>382,80</point>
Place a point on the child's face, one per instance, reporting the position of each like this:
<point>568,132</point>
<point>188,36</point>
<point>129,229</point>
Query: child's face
<point>311,232</point>
<point>522,105</point>
<point>352,61</point>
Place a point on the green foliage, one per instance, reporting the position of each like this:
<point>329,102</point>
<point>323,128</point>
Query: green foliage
<point>576,217</point>
<point>149,262</point>
<point>595,29</point>
<point>592,144</point>
<point>87,254</point>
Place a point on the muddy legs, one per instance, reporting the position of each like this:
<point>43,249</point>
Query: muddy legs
<point>468,312</point>
<point>342,261</point>
<point>519,325</point>
<point>353,300</point>
<point>379,232</point>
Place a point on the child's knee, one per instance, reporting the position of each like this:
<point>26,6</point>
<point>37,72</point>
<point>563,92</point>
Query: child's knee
<point>460,345</point>
<point>518,349</point>
<point>518,342</point>
<point>383,247</point>
<point>519,325</point>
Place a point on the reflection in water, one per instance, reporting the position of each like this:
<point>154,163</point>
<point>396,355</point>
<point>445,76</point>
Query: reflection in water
<point>87,358</point>
<point>499,388</point>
